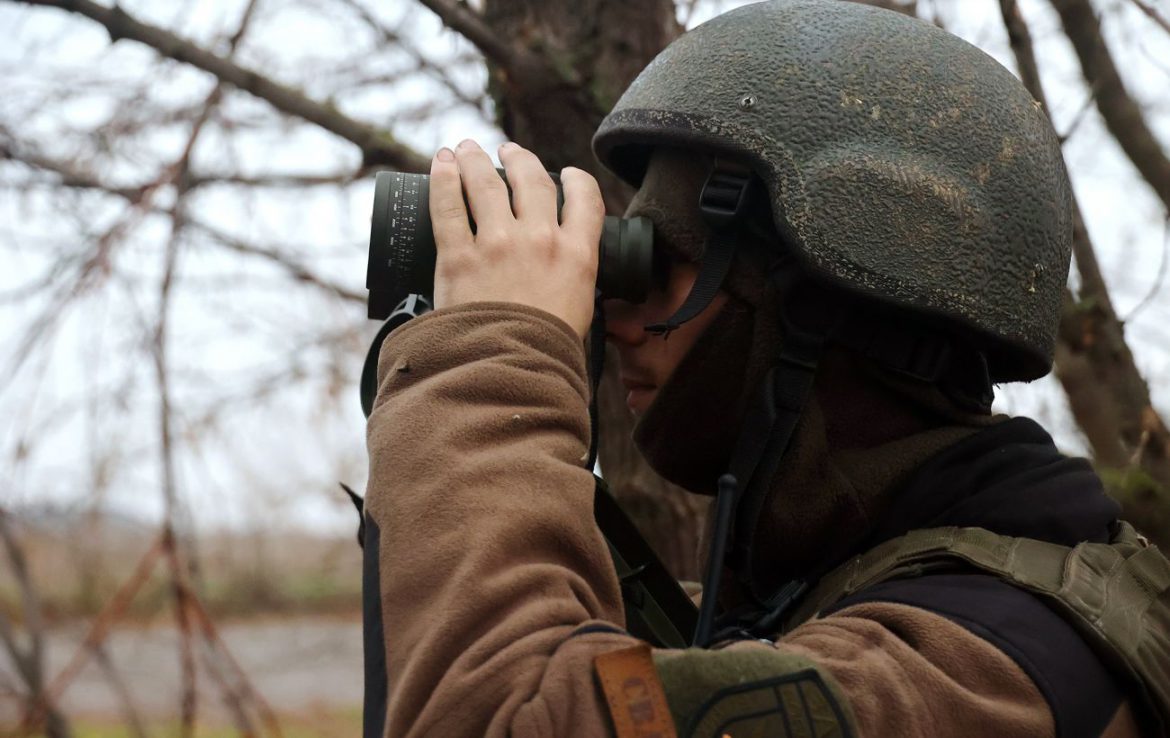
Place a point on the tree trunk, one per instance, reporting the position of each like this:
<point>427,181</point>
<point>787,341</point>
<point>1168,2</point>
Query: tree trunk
<point>580,55</point>
<point>1130,440</point>
<point>1107,394</point>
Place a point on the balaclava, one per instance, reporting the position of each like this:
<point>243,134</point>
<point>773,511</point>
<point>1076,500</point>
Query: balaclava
<point>863,431</point>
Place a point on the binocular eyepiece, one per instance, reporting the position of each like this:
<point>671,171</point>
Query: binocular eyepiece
<point>402,246</point>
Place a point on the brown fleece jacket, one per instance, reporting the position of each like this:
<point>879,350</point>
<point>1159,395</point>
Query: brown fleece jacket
<point>490,561</point>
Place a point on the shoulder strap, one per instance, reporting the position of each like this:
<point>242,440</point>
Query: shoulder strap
<point>657,608</point>
<point>1116,595</point>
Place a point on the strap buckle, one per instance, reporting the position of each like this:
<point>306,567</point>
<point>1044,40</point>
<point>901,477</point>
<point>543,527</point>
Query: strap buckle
<point>726,194</point>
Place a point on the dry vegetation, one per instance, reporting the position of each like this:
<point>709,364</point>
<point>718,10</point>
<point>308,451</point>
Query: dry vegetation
<point>80,562</point>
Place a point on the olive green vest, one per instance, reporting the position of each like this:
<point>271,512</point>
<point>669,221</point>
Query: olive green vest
<point>1116,595</point>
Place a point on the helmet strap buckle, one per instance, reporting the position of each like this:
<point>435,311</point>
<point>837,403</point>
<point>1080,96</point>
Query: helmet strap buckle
<point>726,195</point>
<point>723,203</point>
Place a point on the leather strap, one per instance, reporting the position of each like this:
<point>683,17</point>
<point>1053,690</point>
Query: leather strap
<point>657,608</point>
<point>634,693</point>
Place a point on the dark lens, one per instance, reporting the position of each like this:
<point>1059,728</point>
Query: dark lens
<point>625,268</point>
<point>402,247</point>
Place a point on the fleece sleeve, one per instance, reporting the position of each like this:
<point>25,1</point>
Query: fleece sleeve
<point>493,591</point>
<point>496,589</point>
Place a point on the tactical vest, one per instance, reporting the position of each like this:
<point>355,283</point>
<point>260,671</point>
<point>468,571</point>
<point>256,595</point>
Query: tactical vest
<point>1116,595</point>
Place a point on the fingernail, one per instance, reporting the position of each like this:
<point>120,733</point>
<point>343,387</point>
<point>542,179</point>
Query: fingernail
<point>466,143</point>
<point>509,145</point>
<point>445,154</point>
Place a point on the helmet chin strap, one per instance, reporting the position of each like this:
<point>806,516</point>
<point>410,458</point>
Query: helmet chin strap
<point>723,203</point>
<point>762,442</point>
<point>812,317</point>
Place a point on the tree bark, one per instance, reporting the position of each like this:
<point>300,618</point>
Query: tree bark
<point>579,57</point>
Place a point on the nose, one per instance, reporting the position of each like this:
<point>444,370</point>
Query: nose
<point>624,322</point>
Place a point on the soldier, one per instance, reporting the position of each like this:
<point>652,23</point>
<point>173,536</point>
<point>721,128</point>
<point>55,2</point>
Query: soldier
<point>862,224</point>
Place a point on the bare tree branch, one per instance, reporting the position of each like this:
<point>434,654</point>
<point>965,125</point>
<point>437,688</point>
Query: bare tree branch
<point>688,11</point>
<point>1078,118</point>
<point>1020,38</point>
<point>295,269</point>
<point>422,63</point>
<point>196,180</point>
<point>1153,14</point>
<point>471,26</point>
<point>133,720</point>
<point>100,627</point>
<point>1123,116</point>
<point>378,146</point>
<point>1107,394</point>
<point>29,662</point>
<point>71,177</point>
<point>1159,277</point>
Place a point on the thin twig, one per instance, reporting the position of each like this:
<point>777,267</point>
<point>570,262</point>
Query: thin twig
<point>421,62</point>
<point>377,145</point>
<point>177,174</point>
<point>296,269</point>
<point>1159,278</point>
<point>187,704</point>
<point>133,720</point>
<point>232,698</point>
<point>1078,118</point>
<point>1122,114</point>
<point>275,181</point>
<point>688,13</point>
<point>1092,280</point>
<point>471,26</point>
<point>1153,14</point>
<point>40,705</point>
<point>211,633</point>
<point>30,599</point>
<point>100,627</point>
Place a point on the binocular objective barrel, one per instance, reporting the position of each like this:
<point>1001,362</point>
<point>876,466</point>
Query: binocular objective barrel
<point>402,246</point>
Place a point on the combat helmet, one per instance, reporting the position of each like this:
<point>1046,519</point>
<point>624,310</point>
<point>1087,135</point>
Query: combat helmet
<point>910,178</point>
<point>901,163</point>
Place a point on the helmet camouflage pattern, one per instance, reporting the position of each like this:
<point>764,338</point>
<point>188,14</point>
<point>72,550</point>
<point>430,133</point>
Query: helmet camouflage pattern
<point>901,162</point>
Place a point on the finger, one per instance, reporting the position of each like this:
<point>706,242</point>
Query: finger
<point>584,211</point>
<point>534,196</point>
<point>487,195</point>
<point>448,213</point>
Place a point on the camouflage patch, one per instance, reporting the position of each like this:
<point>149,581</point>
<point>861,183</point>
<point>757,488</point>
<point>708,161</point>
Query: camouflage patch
<point>751,692</point>
<point>791,706</point>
